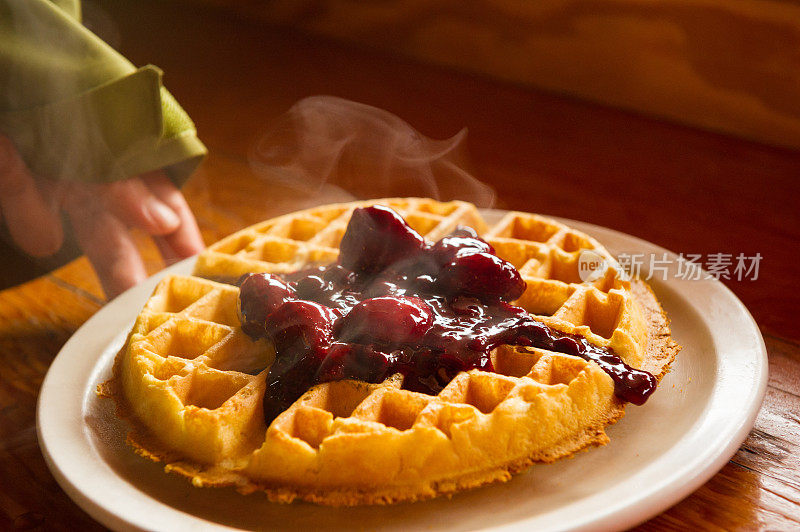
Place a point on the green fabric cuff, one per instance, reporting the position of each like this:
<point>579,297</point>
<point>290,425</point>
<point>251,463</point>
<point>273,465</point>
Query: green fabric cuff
<point>117,130</point>
<point>78,110</point>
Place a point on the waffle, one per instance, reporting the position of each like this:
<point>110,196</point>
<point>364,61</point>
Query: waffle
<point>191,383</point>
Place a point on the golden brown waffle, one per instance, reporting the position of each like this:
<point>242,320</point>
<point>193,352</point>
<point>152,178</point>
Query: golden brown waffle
<point>191,382</point>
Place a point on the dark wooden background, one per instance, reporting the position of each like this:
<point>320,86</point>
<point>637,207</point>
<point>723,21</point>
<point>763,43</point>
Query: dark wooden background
<point>684,189</point>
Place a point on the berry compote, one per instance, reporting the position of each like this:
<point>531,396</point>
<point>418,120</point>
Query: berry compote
<point>395,303</point>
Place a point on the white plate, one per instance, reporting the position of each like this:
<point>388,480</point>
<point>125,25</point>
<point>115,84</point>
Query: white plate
<point>659,452</point>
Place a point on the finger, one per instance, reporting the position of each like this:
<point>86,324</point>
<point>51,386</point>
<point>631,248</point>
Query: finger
<point>132,202</point>
<point>169,255</point>
<point>106,242</point>
<point>186,240</point>
<point>33,226</point>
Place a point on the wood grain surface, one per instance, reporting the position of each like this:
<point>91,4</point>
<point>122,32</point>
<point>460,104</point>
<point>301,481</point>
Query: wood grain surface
<point>728,66</point>
<point>689,191</point>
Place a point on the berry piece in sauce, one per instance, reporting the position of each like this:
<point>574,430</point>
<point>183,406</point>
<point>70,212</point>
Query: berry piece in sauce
<point>446,249</point>
<point>350,361</point>
<point>301,333</point>
<point>312,287</point>
<point>259,295</point>
<point>392,320</point>
<point>300,326</point>
<point>482,275</point>
<point>338,275</point>
<point>376,238</point>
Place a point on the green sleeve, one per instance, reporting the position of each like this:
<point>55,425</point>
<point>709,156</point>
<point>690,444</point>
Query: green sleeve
<point>76,109</point>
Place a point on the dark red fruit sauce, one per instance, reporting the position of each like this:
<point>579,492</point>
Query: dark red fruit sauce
<point>397,304</point>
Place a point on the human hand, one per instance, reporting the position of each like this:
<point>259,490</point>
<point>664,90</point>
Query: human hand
<point>100,216</point>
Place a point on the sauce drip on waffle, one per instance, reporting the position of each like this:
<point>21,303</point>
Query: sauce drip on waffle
<point>397,304</point>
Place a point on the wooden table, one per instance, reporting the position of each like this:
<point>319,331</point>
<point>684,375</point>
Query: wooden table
<point>686,190</point>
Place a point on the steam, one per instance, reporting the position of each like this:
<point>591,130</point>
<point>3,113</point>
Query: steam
<point>328,146</point>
